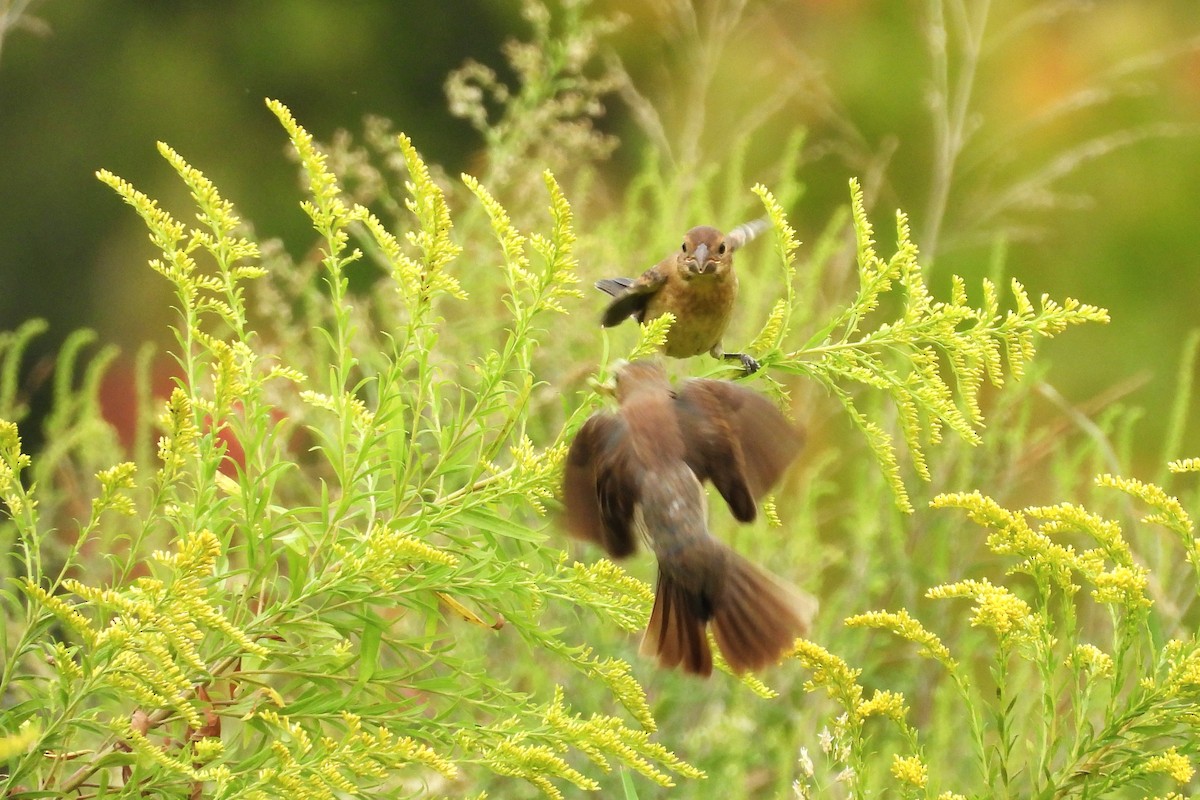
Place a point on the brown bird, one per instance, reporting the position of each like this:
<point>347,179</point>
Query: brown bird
<point>640,471</point>
<point>697,284</point>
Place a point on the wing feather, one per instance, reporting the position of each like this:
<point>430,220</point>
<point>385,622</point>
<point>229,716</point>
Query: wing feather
<point>737,439</point>
<point>632,301</point>
<point>600,490</point>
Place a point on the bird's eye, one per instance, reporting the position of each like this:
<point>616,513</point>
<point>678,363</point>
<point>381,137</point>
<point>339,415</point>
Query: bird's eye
<point>721,249</point>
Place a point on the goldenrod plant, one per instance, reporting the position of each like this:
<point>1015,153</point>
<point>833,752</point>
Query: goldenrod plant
<point>324,613</point>
<point>328,565</point>
<point>1113,714</point>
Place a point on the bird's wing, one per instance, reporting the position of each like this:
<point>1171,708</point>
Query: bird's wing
<point>613,286</point>
<point>600,489</point>
<point>631,302</point>
<point>745,233</point>
<point>737,439</point>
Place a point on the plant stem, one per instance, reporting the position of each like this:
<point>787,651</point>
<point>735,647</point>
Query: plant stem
<point>950,116</point>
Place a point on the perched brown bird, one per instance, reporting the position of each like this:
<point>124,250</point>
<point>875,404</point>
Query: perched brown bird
<point>697,284</point>
<point>639,471</point>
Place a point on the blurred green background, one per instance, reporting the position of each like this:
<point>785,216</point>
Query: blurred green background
<point>1104,98</point>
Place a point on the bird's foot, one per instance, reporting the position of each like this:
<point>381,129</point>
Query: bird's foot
<point>749,363</point>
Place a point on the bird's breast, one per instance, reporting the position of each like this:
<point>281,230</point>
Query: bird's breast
<point>702,308</point>
<point>673,511</point>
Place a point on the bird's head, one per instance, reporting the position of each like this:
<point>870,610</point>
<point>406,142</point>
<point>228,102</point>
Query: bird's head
<point>631,377</point>
<point>705,252</point>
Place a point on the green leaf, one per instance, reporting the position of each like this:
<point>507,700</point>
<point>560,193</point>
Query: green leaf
<point>368,654</point>
<point>627,785</point>
<point>490,521</point>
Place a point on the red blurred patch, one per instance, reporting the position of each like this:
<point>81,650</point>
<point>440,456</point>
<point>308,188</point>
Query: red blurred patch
<point>119,407</point>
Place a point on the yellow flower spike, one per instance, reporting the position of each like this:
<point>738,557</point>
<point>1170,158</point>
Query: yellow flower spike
<point>1183,667</point>
<point>829,671</point>
<point>996,608</point>
<point>771,512</point>
<point>329,209</point>
<point>12,463</point>
<point>1170,513</point>
<point>181,435</point>
<point>902,624</point>
<point>652,336</point>
<point>113,482</point>
<point>66,612</point>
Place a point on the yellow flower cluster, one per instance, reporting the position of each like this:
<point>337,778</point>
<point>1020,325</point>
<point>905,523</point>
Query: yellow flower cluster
<point>157,628</point>
<point>599,734</point>
<point>1183,667</point>
<point>1092,660</point>
<point>179,764</point>
<point>1169,510</point>
<point>1171,762</point>
<point>12,462</point>
<point>363,419</point>
<point>387,556</point>
<point>19,741</point>
<point>883,704</point>
<point>1123,586</point>
<point>113,482</point>
<point>307,767</point>
<point>1010,534</point>
<point>910,770</point>
<point>830,672</point>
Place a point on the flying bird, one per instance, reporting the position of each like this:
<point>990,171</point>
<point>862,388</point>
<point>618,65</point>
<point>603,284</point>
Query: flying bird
<point>639,473</point>
<point>697,284</point>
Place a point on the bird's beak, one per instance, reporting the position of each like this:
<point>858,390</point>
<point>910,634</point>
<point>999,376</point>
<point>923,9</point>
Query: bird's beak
<point>701,259</point>
<point>608,388</point>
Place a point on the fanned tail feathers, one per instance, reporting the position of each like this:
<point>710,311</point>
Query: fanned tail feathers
<point>676,634</point>
<point>755,617</point>
<point>759,617</point>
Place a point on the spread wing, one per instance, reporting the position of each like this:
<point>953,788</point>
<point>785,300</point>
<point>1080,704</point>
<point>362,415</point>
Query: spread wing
<point>737,439</point>
<point>600,487</point>
<point>746,232</point>
<point>630,297</point>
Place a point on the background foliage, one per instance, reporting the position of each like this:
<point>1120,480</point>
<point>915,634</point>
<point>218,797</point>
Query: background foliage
<point>1052,77</point>
<point>380,550</point>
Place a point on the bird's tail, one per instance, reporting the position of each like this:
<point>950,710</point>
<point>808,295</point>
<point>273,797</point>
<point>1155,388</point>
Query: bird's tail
<point>755,617</point>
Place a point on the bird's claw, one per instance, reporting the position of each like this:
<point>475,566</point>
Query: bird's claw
<point>749,363</point>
